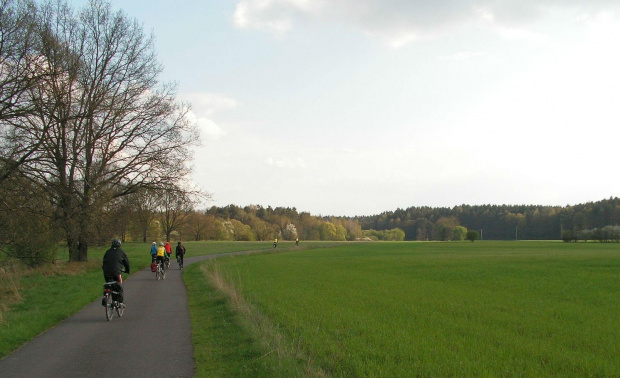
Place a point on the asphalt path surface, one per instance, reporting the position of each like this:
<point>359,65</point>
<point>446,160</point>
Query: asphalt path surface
<point>153,338</point>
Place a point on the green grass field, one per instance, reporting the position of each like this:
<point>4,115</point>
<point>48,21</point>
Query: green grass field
<point>375,309</point>
<point>427,309</point>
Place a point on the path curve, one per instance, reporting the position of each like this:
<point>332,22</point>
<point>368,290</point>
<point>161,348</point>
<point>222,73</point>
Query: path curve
<point>153,338</point>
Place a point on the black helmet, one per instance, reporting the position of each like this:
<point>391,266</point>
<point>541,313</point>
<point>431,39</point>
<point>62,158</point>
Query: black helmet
<point>116,243</point>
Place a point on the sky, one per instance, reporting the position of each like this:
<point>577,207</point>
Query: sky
<point>356,107</point>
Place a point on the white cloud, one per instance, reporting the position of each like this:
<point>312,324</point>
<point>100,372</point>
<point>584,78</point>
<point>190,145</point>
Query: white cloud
<point>511,29</point>
<point>207,104</point>
<point>600,21</point>
<point>272,15</point>
<point>400,22</point>
<point>208,128</point>
<point>204,107</point>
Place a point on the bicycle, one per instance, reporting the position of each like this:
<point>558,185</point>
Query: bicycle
<point>167,263</point>
<point>180,263</point>
<point>160,273</point>
<point>110,296</point>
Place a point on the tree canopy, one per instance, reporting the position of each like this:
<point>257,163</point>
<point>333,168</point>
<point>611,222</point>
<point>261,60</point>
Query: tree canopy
<point>100,125</point>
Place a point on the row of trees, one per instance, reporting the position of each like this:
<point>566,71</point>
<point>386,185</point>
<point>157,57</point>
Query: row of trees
<point>156,216</point>
<point>147,219</point>
<point>605,234</point>
<point>259,223</point>
<point>86,127</point>
<point>395,234</point>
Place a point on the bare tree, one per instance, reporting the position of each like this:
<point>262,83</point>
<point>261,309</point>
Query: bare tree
<point>20,70</point>
<point>112,128</point>
<point>197,225</point>
<point>145,206</point>
<point>175,207</point>
<point>16,56</point>
<point>114,221</point>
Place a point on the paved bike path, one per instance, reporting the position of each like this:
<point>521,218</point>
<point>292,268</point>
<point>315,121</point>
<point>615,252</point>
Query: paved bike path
<point>153,338</point>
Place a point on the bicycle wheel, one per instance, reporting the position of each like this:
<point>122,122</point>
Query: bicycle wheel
<point>109,308</point>
<point>158,274</point>
<point>119,309</point>
<point>163,274</point>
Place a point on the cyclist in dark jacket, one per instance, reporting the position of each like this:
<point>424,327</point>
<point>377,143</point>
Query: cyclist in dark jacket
<point>180,252</point>
<point>114,261</point>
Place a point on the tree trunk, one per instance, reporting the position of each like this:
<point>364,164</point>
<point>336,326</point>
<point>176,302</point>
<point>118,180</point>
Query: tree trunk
<point>70,226</point>
<point>73,249</point>
<point>82,250</point>
<point>76,224</point>
<point>78,247</point>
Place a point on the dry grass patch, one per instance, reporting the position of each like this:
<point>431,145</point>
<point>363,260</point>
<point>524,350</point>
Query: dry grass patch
<point>9,288</point>
<point>12,274</point>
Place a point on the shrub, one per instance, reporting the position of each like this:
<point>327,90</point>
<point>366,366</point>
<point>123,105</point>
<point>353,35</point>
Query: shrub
<point>32,242</point>
<point>472,235</point>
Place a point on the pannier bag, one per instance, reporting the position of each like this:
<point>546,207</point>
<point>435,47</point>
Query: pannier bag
<point>114,286</point>
<point>116,290</point>
<point>153,267</point>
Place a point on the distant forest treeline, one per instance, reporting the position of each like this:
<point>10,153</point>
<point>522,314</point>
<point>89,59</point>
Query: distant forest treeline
<point>498,222</point>
<point>492,222</point>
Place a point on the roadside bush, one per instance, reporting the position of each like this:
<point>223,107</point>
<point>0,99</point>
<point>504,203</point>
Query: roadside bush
<point>33,243</point>
<point>26,232</point>
<point>459,233</point>
<point>568,236</point>
<point>395,234</point>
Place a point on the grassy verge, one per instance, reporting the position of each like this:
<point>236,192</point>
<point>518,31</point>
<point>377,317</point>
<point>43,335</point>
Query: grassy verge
<point>223,346</point>
<point>231,337</point>
<point>430,309</point>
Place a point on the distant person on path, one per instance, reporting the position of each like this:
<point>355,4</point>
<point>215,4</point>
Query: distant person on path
<point>153,252</point>
<point>275,243</point>
<point>161,255</point>
<point>180,252</point>
<point>114,261</point>
<point>296,242</point>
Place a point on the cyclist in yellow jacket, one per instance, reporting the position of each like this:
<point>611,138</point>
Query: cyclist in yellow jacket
<point>161,255</point>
